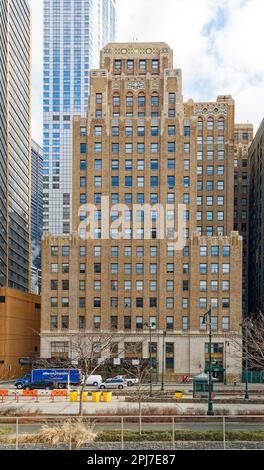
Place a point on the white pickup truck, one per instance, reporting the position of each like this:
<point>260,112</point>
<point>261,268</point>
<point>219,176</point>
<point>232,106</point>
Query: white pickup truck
<point>129,380</point>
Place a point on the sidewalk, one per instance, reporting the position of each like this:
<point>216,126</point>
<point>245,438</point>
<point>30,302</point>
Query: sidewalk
<point>65,407</point>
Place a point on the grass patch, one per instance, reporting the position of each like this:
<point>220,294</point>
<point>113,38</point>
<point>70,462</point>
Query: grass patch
<point>166,436</point>
<point>5,430</point>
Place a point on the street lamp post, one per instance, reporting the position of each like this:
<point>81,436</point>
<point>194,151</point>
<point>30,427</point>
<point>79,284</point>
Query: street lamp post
<point>163,359</point>
<point>210,411</point>
<point>246,387</point>
<point>226,344</point>
<point>150,359</point>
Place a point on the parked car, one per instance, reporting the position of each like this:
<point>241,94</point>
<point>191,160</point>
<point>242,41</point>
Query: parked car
<point>129,380</point>
<point>114,383</point>
<point>94,380</point>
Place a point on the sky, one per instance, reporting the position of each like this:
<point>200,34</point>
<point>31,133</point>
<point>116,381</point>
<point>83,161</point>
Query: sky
<point>218,44</point>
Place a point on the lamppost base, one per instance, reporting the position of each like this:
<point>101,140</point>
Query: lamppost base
<point>210,413</point>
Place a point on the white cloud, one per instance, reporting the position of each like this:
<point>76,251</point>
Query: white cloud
<point>217,43</point>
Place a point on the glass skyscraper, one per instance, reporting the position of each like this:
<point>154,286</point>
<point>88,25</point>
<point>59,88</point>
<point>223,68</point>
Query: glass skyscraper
<point>15,143</point>
<point>36,215</point>
<point>74,33</point>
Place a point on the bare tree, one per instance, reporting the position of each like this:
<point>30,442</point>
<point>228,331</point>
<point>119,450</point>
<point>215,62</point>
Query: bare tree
<point>141,373</point>
<point>253,343</point>
<point>90,352</point>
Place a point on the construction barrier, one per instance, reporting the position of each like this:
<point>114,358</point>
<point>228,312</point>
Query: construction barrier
<point>107,397</point>
<point>59,393</point>
<point>85,397</point>
<point>96,396</point>
<point>3,393</point>
<point>30,393</point>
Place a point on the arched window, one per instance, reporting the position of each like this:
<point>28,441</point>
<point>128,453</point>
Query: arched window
<point>129,100</point>
<point>210,124</point>
<point>200,124</point>
<point>221,124</point>
<point>141,100</point>
<point>116,100</point>
<point>155,100</point>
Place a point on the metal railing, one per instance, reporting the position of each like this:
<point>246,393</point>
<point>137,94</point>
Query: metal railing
<point>179,431</point>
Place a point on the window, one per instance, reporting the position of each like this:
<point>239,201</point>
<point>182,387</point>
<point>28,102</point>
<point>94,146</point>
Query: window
<point>225,286</point>
<point>170,286</point>
<point>215,250</point>
<point>65,302</point>
<point>185,323</point>
<point>154,100</point>
<point>127,302</point>
<point>154,147</point>
<point>139,323</point>
<point>129,100</point>
<point>127,323</point>
<point>226,251</point>
<point>210,124</point>
<point>99,98</point>
<point>169,323</point>
<point>171,147</point>
<point>226,268</point>
<point>97,302</point>
<point>187,131</point>
<point>203,303</point>
<point>97,322</point>
<point>65,322</point>
<point>129,148</point>
<point>171,182</point>
<point>82,148</point>
<point>225,303</point>
<point>65,268</point>
<point>114,322</point>
<point>53,322</point>
<point>115,181</point>
<point>169,356</point>
<point>82,323</point>
<point>54,302</point>
<point>54,250</point>
<point>202,323</point>
<point>225,323</point>
<point>54,268</point>
<point>203,250</point>
<point>170,303</point>
<point>154,131</point>
<point>142,65</point>
<point>172,98</point>
<point>154,165</point>
<point>171,130</point>
<point>203,286</point>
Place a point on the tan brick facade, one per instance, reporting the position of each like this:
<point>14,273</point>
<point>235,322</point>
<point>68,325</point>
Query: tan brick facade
<point>141,144</point>
<point>20,326</point>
